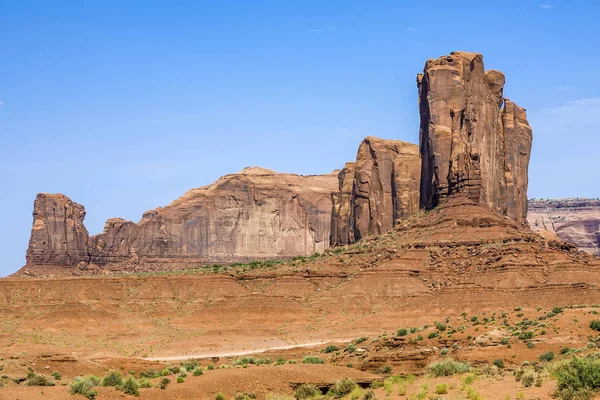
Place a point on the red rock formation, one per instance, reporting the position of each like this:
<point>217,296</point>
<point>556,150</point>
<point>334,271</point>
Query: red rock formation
<point>58,236</point>
<point>573,220</point>
<point>254,214</point>
<point>469,144</point>
<point>385,187</point>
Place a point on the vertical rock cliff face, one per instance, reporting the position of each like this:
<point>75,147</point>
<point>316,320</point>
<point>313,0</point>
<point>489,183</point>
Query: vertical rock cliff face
<point>254,214</point>
<point>342,215</point>
<point>469,142</point>
<point>379,188</point>
<point>58,236</point>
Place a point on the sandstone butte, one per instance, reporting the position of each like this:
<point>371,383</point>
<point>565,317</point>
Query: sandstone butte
<point>473,143</point>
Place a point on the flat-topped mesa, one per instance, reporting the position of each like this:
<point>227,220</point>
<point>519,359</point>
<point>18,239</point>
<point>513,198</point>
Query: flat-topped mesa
<point>469,142</point>
<point>58,236</point>
<point>381,187</point>
<point>254,214</point>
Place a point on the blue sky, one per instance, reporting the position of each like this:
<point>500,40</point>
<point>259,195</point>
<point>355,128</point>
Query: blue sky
<point>125,105</point>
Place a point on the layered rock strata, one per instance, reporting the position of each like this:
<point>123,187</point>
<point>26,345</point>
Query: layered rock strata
<point>255,214</point>
<point>472,139</point>
<point>573,220</point>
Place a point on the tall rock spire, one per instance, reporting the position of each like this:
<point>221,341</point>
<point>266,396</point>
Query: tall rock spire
<point>472,140</point>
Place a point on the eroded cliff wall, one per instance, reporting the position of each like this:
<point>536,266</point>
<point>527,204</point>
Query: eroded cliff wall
<point>381,187</point>
<point>472,140</point>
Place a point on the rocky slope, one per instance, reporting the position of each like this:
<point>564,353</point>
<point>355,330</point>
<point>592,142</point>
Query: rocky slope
<point>469,141</point>
<point>572,220</point>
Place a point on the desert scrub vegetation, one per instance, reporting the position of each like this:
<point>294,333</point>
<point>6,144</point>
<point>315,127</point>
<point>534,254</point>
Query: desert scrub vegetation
<point>342,387</point>
<point>220,396</point>
<point>164,382</point>
<point>312,360</point>
<point>251,360</point>
<point>34,379</point>
<point>448,367</point>
<point>56,375</point>
<point>306,391</point>
<point>112,378</point>
<point>131,387</point>
<point>441,388</point>
<point>330,349</point>
<point>244,396</point>
<point>84,386</point>
<point>578,378</point>
<point>595,325</point>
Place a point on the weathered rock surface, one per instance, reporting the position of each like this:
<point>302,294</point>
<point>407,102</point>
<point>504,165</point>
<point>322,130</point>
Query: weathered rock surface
<point>381,187</point>
<point>573,220</point>
<point>469,142</point>
<point>58,236</point>
<point>342,215</point>
<point>254,214</point>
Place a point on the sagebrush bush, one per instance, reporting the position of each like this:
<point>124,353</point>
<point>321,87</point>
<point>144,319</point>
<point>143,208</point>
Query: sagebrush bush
<point>144,383</point>
<point>441,388</point>
<point>306,391</point>
<point>112,378</point>
<point>198,371</point>
<point>578,379</point>
<point>37,380</point>
<point>448,367</point>
<point>595,324</point>
<point>84,386</point>
<point>57,375</point>
<point>130,386</point>
<point>164,382</point>
<point>220,396</point>
<point>312,360</point>
<point>499,363</point>
<point>343,387</point>
<point>547,356</point>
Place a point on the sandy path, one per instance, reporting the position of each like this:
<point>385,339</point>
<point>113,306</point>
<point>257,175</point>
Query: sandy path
<point>234,353</point>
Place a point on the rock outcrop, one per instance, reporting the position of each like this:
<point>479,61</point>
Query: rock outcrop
<point>58,236</point>
<point>469,142</point>
<point>381,187</point>
<point>573,220</point>
<point>254,214</point>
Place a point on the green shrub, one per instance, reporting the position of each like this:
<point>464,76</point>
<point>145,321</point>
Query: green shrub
<point>433,335</point>
<point>360,340</point>
<point>440,326</point>
<point>190,365</point>
<point>386,369</point>
<point>149,374</point>
<point>595,325</point>
<point>112,378</point>
<point>180,379</point>
<point>350,348</point>
<point>306,391</point>
<point>343,387</point>
<point>330,349</point>
<point>130,386</point>
<point>198,371</point>
<point>402,332</point>
<point>164,382</point>
<point>448,367</point>
<point>526,335</point>
<point>220,396</point>
<point>369,395</point>
<point>210,367</point>
<point>144,383</point>
<point>528,379</point>
<point>175,369</point>
<point>57,375</point>
<point>84,386</point>
<point>444,351</point>
<point>499,363</point>
<point>244,396</point>
<point>37,380</point>
<point>442,388</point>
<point>312,360</point>
<point>548,356</point>
<point>578,379</point>
<point>165,372</point>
